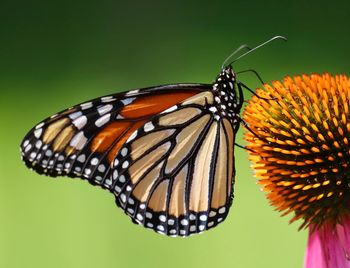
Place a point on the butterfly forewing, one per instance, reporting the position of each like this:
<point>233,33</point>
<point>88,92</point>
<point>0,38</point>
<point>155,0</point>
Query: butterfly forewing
<point>83,140</point>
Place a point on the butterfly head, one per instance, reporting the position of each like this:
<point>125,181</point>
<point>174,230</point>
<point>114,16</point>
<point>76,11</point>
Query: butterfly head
<point>227,98</point>
<point>229,73</point>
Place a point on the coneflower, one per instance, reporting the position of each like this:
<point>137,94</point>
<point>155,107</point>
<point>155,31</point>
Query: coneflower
<point>300,149</point>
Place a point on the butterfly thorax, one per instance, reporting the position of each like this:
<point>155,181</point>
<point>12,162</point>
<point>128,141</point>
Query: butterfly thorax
<point>227,101</point>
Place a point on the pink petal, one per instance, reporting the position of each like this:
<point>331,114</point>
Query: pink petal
<point>329,246</point>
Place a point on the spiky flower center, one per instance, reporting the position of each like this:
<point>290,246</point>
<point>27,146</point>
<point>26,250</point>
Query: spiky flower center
<point>301,145</point>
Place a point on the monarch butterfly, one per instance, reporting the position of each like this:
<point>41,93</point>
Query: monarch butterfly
<point>165,152</point>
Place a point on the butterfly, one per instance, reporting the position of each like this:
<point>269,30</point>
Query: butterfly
<point>166,153</point>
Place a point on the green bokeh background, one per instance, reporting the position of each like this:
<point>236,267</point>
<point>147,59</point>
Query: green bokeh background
<point>55,54</point>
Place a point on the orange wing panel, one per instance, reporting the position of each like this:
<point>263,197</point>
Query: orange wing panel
<point>134,115</point>
<point>108,135</point>
<point>123,139</point>
<point>151,105</point>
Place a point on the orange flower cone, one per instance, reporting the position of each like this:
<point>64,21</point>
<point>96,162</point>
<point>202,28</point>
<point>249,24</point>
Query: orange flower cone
<point>300,149</point>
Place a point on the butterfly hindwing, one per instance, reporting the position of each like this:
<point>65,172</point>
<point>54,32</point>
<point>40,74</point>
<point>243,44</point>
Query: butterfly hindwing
<point>175,173</point>
<point>83,140</point>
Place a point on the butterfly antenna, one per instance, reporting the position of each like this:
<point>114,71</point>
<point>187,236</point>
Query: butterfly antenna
<point>253,49</point>
<point>244,46</point>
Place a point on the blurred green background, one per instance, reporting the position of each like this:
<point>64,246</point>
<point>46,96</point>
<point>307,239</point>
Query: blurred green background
<point>55,54</point>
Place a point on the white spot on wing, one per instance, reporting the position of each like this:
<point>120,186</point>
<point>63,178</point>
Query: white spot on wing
<point>213,109</point>
<point>103,120</point>
<point>37,132</point>
<point>171,109</point>
<point>39,125</point>
<point>104,109</point>
<point>123,198</point>
<point>107,99</point>
<point>148,127</point>
<point>38,144</point>
<point>132,92</point>
<point>124,151</point>
<point>125,164</point>
<point>184,222</point>
<point>81,158</point>
<point>203,217</point>
<point>75,115</point>
<point>222,210</point>
<point>78,141</point>
<point>94,161</point>
<point>128,100</point>
<point>132,136</point>
<point>86,105</point>
<point>101,168</point>
<point>78,169</point>
<point>80,122</point>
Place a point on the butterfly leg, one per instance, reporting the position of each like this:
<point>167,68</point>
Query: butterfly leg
<point>240,92</point>
<point>246,126</point>
<point>244,147</point>
<point>254,72</point>
<point>244,123</point>
<point>240,85</point>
